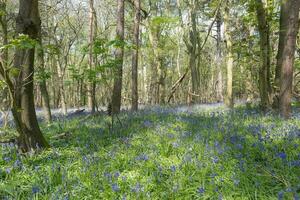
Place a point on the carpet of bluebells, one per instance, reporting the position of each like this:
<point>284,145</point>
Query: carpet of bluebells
<point>161,153</point>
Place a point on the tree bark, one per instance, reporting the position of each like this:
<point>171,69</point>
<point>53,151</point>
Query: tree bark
<point>118,76</point>
<point>219,86</point>
<point>290,27</point>
<point>62,94</point>
<point>3,23</point>
<point>265,55</point>
<point>23,110</point>
<point>192,51</point>
<point>92,84</point>
<point>135,55</point>
<point>42,83</point>
<point>229,57</point>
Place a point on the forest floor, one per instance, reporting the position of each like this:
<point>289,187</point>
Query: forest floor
<point>160,153</point>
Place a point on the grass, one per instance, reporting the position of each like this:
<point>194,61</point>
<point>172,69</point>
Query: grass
<point>162,153</point>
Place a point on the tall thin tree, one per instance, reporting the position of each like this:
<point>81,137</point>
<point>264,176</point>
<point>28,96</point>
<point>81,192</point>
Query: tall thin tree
<point>119,54</point>
<point>265,55</point>
<point>135,55</point>
<point>229,57</point>
<point>92,35</point>
<point>289,30</point>
<point>219,85</point>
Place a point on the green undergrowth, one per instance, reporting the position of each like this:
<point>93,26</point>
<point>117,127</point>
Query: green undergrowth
<point>162,153</point>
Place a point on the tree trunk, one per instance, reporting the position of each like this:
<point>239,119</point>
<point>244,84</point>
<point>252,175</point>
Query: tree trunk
<point>62,94</point>
<point>92,84</point>
<point>290,26</point>
<point>265,55</point>
<point>118,76</point>
<point>219,86</point>
<point>23,110</point>
<point>192,51</point>
<point>229,94</point>
<point>136,34</point>
<point>42,83</point>
<point>3,23</point>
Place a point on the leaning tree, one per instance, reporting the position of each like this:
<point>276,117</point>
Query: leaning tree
<point>19,77</point>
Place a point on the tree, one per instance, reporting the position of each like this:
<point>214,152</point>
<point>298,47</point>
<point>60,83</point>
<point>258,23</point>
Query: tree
<point>92,36</point>
<point>135,55</point>
<point>20,81</point>
<point>219,85</point>
<point>119,54</point>
<point>289,27</point>
<point>229,57</point>
<point>265,55</point>
<point>42,81</point>
<point>193,48</point>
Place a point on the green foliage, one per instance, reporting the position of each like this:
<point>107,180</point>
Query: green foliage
<point>75,73</point>
<point>52,49</point>
<point>161,154</point>
<point>2,85</point>
<point>159,21</point>
<point>297,64</point>
<point>101,46</point>
<point>14,72</point>
<point>21,42</point>
<point>42,74</point>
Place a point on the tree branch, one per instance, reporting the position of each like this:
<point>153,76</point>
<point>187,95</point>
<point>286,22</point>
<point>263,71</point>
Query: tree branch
<point>145,13</point>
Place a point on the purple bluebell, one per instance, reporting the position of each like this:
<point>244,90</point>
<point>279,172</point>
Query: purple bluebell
<point>236,182</point>
<point>35,189</point>
<point>201,190</point>
<point>115,187</point>
<point>117,174</point>
<point>280,195</point>
<point>173,168</point>
<point>282,155</point>
<point>147,123</point>
<point>143,157</point>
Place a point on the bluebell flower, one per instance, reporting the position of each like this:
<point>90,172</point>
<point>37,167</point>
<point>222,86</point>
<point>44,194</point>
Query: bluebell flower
<point>187,158</point>
<point>201,190</point>
<point>220,197</point>
<point>147,123</point>
<point>280,195</point>
<point>115,187</point>
<point>137,188</point>
<point>35,189</point>
<point>295,163</point>
<point>66,198</point>
<point>215,160</point>
<point>175,144</point>
<point>117,174</point>
<point>173,168</point>
<point>108,176</point>
<point>124,178</point>
<point>7,158</point>
<point>143,157</point>
<point>282,155</point>
<point>17,164</point>
<point>8,170</point>
<point>289,189</point>
<point>239,146</point>
<point>236,182</point>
